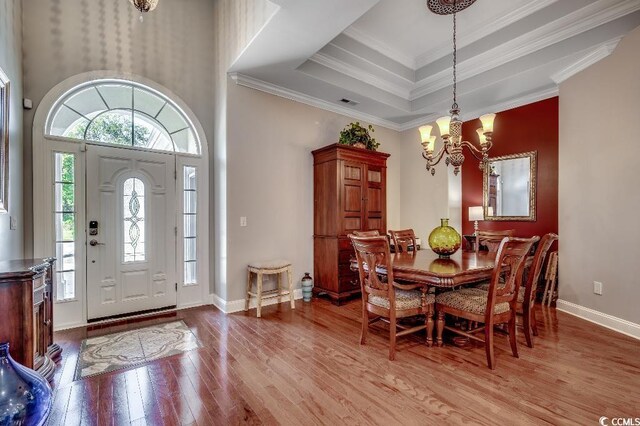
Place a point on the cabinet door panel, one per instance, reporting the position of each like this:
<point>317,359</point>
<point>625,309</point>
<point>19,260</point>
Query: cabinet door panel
<point>374,201</point>
<point>352,198</point>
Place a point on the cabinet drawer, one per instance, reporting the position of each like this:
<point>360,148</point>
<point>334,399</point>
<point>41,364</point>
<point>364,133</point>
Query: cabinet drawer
<point>345,257</point>
<point>344,244</point>
<point>39,287</point>
<point>348,283</point>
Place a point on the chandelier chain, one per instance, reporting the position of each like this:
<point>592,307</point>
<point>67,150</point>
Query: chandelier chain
<point>455,59</point>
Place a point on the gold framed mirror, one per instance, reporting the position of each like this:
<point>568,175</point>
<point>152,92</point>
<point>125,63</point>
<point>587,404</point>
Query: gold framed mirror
<point>509,187</point>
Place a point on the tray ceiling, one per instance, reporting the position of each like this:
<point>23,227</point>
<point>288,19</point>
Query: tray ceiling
<point>392,58</point>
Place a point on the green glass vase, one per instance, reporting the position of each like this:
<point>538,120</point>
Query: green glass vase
<point>444,240</point>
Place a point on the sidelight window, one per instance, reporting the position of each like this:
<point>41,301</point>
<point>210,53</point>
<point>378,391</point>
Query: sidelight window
<point>65,224</point>
<point>134,212</point>
<point>190,225</point>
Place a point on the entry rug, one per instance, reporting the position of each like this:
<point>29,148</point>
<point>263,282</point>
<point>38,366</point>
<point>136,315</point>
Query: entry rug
<point>129,348</point>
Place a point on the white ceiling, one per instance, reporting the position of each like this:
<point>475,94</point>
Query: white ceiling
<point>403,30</point>
<point>393,57</point>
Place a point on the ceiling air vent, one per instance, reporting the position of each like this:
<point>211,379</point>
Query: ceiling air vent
<point>349,102</point>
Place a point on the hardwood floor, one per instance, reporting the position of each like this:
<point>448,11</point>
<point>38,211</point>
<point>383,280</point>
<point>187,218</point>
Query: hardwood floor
<point>305,366</point>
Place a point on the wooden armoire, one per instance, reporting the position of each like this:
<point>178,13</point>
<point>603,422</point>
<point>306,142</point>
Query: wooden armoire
<point>349,189</point>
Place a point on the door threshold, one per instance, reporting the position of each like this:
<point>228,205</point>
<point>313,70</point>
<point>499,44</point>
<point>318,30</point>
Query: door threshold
<point>131,316</point>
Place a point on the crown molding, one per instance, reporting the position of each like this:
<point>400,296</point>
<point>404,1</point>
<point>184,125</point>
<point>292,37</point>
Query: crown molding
<point>482,31</point>
<point>254,83</point>
<point>586,61</point>
<point>380,47</point>
<point>588,17</point>
<point>502,106</point>
<point>360,74</point>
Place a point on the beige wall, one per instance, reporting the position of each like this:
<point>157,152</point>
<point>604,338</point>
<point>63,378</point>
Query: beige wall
<point>11,242</point>
<point>236,22</point>
<point>270,179</point>
<point>425,199</point>
<point>173,47</point>
<point>600,184</point>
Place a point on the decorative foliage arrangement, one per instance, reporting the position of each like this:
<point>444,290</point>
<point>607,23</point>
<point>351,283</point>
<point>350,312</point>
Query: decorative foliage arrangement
<point>354,134</point>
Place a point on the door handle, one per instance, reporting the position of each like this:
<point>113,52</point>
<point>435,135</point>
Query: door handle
<point>95,243</point>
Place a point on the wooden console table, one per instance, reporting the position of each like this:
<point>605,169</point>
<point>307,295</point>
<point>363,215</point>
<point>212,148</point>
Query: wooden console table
<point>26,300</point>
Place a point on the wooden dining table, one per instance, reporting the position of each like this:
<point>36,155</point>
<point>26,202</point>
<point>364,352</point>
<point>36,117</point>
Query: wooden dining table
<point>427,268</point>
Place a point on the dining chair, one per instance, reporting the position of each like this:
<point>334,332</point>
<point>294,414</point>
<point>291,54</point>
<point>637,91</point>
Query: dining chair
<point>386,300</point>
<point>527,294</point>
<point>493,307</point>
<point>404,239</point>
<point>491,239</point>
<point>372,233</point>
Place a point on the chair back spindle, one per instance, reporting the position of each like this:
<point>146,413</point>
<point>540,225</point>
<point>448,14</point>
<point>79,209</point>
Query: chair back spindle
<point>372,233</point>
<point>510,263</point>
<point>491,239</point>
<point>536,267</point>
<point>404,239</point>
<point>375,254</point>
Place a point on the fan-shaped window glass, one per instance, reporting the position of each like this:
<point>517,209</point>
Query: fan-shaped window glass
<point>123,113</point>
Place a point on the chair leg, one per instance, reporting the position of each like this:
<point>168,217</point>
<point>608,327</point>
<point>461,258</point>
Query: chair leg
<point>534,322</point>
<point>488,345</point>
<point>512,335</point>
<point>365,324</point>
<point>430,325</point>
<point>392,337</point>
<point>440,327</point>
<point>259,310</point>
<point>248,298</point>
<point>291,298</point>
<point>526,323</point>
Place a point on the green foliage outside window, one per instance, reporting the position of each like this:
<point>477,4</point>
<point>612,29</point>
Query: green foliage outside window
<point>112,127</point>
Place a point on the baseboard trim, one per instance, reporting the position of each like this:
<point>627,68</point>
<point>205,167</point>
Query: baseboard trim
<point>72,325</point>
<point>620,325</point>
<point>229,307</point>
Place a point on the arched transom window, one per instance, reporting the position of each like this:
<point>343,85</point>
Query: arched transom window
<point>123,113</point>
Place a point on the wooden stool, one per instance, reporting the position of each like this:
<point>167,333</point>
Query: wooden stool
<point>266,268</point>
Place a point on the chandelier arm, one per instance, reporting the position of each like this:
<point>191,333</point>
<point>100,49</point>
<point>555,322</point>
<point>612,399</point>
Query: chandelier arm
<point>478,153</point>
<point>436,159</point>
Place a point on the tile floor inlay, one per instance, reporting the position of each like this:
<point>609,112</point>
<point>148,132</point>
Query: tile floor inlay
<point>116,351</point>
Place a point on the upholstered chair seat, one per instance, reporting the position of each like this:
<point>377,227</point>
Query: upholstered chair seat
<point>405,299</point>
<point>471,300</point>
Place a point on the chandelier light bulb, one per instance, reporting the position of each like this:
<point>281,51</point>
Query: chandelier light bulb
<point>443,125</point>
<point>487,122</point>
<point>481,136</point>
<point>425,133</point>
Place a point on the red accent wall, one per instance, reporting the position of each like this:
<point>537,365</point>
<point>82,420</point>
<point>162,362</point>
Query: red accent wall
<point>532,127</point>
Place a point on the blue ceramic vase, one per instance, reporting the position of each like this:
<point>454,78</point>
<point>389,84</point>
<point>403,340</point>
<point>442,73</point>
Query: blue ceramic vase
<point>25,396</point>
<point>307,286</point>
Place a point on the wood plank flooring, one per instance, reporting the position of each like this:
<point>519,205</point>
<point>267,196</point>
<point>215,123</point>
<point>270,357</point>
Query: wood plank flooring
<point>305,366</point>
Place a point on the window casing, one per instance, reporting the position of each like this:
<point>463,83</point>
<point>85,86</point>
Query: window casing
<point>123,113</point>
<point>190,217</point>
<point>65,221</point>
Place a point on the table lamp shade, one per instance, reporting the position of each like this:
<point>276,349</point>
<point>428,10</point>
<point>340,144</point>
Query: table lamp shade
<point>476,213</point>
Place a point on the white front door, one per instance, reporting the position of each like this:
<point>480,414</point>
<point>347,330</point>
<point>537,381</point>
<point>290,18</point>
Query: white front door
<point>131,238</point>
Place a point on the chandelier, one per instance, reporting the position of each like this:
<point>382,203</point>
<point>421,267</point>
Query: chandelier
<point>144,6</point>
<point>450,126</point>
